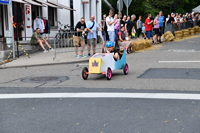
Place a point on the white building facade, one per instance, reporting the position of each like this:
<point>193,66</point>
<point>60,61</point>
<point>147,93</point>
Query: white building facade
<point>66,11</point>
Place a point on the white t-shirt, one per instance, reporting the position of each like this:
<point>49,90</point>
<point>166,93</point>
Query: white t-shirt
<point>39,23</point>
<point>110,27</point>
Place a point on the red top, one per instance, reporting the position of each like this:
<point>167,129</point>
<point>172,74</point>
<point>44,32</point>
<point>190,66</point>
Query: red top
<point>148,27</point>
<point>45,31</point>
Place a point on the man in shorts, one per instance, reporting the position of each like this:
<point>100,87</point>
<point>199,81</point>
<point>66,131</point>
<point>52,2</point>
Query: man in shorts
<point>78,38</point>
<point>37,39</point>
<point>92,34</point>
<point>148,27</point>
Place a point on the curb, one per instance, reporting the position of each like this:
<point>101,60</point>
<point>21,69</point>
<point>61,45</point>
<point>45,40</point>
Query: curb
<point>35,65</point>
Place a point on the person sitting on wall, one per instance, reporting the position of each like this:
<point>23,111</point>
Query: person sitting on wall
<point>37,39</point>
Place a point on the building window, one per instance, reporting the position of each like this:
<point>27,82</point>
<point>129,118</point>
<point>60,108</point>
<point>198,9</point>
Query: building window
<point>52,16</point>
<point>36,11</point>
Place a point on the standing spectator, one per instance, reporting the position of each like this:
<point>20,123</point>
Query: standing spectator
<point>156,29</point>
<point>110,24</point>
<point>168,16</point>
<point>184,21</point>
<point>190,21</point>
<point>198,19</point>
<point>92,34</point>
<point>169,26</point>
<point>130,25</point>
<point>148,27</point>
<point>139,26</point>
<point>123,21</point>
<point>116,25</point>
<point>103,26</point>
<point>77,39</point>
<point>181,21</point>
<point>161,19</point>
<point>128,18</point>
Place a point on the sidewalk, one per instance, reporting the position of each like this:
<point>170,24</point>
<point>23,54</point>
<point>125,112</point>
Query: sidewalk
<point>40,59</point>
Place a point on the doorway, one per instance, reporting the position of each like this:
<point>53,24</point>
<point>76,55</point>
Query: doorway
<point>1,22</point>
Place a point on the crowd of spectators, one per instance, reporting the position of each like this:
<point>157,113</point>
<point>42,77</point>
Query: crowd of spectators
<point>121,30</point>
<point>152,27</point>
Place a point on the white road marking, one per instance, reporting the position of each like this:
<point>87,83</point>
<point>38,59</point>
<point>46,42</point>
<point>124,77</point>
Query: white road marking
<point>104,95</point>
<point>179,61</point>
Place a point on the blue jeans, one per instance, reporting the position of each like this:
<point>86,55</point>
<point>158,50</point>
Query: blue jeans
<point>111,35</point>
<point>116,34</point>
<point>104,35</point>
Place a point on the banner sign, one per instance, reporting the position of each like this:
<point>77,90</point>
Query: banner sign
<point>28,15</point>
<point>4,1</point>
<point>85,1</point>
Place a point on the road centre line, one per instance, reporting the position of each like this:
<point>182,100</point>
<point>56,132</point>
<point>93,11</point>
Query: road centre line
<point>183,96</point>
<point>179,61</point>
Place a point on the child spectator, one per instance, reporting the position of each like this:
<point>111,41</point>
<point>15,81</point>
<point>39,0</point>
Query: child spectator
<point>144,31</point>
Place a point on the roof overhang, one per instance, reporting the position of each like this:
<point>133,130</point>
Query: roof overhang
<point>33,3</point>
<point>60,5</point>
<point>46,3</point>
<point>19,1</point>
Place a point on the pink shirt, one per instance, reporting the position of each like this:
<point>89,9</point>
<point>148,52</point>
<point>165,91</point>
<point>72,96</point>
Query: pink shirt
<point>117,24</point>
<point>156,25</point>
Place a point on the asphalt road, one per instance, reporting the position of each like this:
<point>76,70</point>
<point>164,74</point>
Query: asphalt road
<point>101,115</point>
<point>168,68</point>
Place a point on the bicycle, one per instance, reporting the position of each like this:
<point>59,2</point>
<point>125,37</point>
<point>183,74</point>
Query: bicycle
<point>61,32</point>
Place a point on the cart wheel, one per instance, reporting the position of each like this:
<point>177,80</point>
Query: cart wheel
<point>109,73</point>
<point>125,69</point>
<point>84,73</point>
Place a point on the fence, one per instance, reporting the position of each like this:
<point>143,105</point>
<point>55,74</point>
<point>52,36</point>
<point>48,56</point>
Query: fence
<point>179,26</point>
<point>65,42</point>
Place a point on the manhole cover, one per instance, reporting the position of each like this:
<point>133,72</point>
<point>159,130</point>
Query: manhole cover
<point>45,79</point>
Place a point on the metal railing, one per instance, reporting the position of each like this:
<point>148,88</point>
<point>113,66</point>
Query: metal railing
<point>64,43</point>
<point>179,26</point>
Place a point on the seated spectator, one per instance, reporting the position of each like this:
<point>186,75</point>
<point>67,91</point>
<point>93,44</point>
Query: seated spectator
<point>110,47</point>
<point>122,42</point>
<point>37,39</point>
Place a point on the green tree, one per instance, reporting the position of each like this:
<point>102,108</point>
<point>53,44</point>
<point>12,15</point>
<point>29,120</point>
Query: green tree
<point>146,7</point>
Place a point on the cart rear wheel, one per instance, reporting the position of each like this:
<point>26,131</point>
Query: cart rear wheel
<point>109,73</point>
<point>125,69</point>
<point>85,73</point>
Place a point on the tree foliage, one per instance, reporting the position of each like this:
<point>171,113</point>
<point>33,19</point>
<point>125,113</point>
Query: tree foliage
<point>145,7</point>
